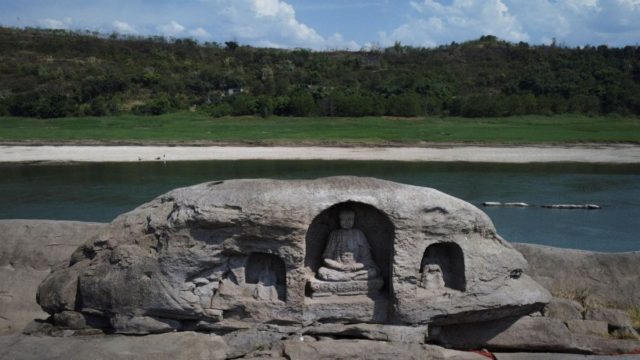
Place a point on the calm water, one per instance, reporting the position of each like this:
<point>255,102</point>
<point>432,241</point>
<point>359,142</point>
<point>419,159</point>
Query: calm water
<point>99,192</point>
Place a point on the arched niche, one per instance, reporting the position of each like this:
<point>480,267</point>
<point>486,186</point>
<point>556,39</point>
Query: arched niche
<point>266,274</point>
<point>376,226</point>
<point>442,266</point>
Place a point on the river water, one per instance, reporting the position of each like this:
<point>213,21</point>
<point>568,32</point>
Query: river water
<point>101,191</point>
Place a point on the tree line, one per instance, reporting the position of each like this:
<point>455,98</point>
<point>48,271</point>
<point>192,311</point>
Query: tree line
<point>57,73</point>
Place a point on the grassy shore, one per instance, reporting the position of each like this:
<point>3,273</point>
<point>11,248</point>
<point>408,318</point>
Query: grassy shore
<point>194,127</point>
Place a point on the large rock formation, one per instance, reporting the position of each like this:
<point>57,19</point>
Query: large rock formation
<point>594,278</point>
<point>258,251</point>
<point>29,249</point>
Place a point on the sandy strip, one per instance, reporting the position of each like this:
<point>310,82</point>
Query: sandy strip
<point>620,154</point>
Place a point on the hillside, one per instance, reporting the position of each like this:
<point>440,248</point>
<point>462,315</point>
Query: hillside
<point>55,73</point>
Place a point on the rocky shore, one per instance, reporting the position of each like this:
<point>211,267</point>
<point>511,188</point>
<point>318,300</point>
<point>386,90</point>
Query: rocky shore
<point>588,317</point>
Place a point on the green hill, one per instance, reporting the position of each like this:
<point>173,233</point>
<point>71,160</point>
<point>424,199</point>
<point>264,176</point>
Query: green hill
<point>55,73</point>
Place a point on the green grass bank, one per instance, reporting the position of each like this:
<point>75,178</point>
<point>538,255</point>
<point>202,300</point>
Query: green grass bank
<point>187,127</point>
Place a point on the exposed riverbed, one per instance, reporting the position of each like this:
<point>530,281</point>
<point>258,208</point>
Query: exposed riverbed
<point>584,153</point>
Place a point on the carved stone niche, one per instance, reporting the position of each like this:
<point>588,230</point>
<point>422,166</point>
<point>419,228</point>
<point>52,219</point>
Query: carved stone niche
<point>442,269</point>
<point>265,277</point>
<point>330,274</point>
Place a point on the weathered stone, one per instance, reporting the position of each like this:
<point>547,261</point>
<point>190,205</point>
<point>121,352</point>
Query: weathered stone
<point>59,292</point>
<point>625,332</point>
<point>590,277</point>
<point>563,309</point>
<point>142,325</point>
<point>70,319</point>
<point>222,327</point>
<point>603,346</point>
<point>298,337</point>
<point>243,342</point>
<point>213,314</point>
<point>249,248</point>
<point>41,327</point>
<point>235,318</point>
<point>614,317</point>
<point>528,333</point>
<point>28,250</point>
<point>356,349</point>
<point>78,321</point>
<point>404,334</point>
<point>588,327</point>
<point>274,351</point>
<point>173,346</point>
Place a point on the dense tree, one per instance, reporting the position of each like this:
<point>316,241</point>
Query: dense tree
<point>53,73</point>
<point>409,104</point>
<point>243,105</point>
<point>301,103</point>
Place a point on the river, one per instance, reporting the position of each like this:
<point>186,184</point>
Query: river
<point>101,191</point>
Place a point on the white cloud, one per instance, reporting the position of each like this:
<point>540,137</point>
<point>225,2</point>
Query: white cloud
<point>55,23</point>
<point>270,22</point>
<point>123,27</point>
<point>573,22</point>
<point>173,28</point>
<point>461,20</point>
<point>580,22</point>
<point>281,22</point>
<point>269,44</point>
<point>200,33</point>
<point>270,7</point>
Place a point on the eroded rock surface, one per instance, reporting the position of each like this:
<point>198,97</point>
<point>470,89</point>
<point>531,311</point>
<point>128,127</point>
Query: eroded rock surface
<point>536,334</point>
<point>564,309</point>
<point>29,249</point>
<point>248,250</point>
<point>184,345</point>
<point>595,278</point>
<point>189,346</point>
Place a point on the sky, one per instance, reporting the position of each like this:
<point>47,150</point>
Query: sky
<point>341,24</point>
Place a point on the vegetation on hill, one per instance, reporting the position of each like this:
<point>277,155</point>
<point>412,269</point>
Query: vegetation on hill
<point>56,73</point>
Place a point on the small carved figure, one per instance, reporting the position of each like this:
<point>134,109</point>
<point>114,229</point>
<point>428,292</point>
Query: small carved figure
<point>432,277</point>
<point>347,255</point>
<point>267,282</point>
<point>442,267</point>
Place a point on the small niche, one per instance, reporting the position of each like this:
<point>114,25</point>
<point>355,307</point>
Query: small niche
<point>442,266</point>
<point>266,275</point>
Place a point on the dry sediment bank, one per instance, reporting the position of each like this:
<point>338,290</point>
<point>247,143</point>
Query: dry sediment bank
<point>610,153</point>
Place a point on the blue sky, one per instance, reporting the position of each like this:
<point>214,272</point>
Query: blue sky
<point>342,24</point>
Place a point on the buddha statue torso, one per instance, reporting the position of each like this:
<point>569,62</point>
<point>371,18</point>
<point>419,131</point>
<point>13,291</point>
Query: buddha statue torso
<point>347,257</point>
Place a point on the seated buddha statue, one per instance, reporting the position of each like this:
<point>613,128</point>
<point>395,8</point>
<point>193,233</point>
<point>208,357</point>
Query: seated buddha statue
<point>347,266</point>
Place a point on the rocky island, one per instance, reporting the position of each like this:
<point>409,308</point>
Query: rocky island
<point>337,267</point>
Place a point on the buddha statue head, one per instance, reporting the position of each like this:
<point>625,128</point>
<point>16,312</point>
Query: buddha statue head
<point>347,218</point>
